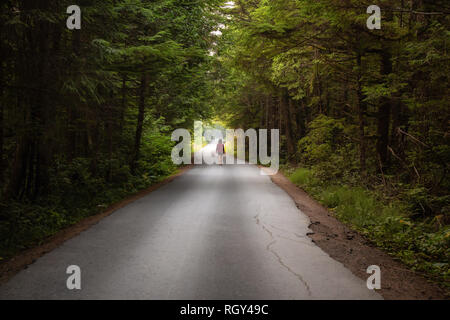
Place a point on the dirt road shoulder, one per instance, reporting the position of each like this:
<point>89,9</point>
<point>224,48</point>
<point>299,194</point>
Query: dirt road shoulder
<point>355,252</point>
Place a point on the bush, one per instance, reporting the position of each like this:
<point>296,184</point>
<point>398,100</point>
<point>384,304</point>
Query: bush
<point>325,149</point>
<point>303,177</point>
<point>383,221</point>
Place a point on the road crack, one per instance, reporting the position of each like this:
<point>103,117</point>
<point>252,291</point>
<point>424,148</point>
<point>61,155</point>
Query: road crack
<point>278,257</point>
<point>298,276</point>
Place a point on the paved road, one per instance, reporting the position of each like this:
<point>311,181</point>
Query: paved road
<point>217,232</point>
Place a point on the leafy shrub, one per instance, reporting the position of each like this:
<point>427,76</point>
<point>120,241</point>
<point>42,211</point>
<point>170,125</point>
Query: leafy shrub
<point>385,222</point>
<point>303,177</point>
<point>324,148</point>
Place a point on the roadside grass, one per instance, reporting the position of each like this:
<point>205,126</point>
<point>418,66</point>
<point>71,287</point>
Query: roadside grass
<point>419,244</point>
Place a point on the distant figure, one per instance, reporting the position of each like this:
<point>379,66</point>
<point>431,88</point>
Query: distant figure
<point>220,149</point>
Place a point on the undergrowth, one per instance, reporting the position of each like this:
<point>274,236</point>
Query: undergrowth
<point>421,244</point>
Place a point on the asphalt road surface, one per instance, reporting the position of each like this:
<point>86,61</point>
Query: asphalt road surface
<point>216,232</point>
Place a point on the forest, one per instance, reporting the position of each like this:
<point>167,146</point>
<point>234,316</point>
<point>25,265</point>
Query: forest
<point>364,114</point>
<point>86,115</point>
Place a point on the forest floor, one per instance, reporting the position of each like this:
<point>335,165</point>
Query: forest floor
<point>356,253</point>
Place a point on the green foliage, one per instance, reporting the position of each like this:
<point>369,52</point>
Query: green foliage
<point>89,113</point>
<point>303,177</point>
<point>365,113</point>
<point>383,221</point>
<point>86,115</point>
<point>326,147</point>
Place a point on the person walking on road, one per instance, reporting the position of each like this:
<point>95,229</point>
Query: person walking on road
<point>220,149</point>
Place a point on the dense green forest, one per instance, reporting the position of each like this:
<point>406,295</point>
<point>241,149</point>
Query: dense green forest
<point>86,115</point>
<point>364,114</point>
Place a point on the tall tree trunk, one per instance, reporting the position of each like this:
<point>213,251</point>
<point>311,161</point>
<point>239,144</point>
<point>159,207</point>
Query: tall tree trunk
<point>30,168</point>
<point>272,115</point>
<point>301,119</point>
<point>18,170</point>
<point>110,133</point>
<point>2,167</point>
<point>280,113</point>
<point>292,118</point>
<point>93,139</point>
<point>71,133</point>
<point>362,108</point>
<point>140,123</point>
<point>284,105</point>
<point>123,103</point>
<point>42,143</point>
<point>262,110</point>
<point>318,83</point>
<point>72,109</point>
<point>384,113</point>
